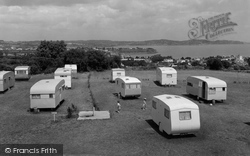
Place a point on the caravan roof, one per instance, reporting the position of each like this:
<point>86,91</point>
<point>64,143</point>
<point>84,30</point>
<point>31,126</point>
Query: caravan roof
<point>167,70</point>
<point>2,73</point>
<point>46,86</point>
<point>128,79</point>
<point>72,66</point>
<point>117,69</point>
<point>176,102</point>
<point>211,81</point>
<point>63,71</point>
<point>22,68</point>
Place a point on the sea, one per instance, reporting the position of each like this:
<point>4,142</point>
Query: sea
<point>198,51</point>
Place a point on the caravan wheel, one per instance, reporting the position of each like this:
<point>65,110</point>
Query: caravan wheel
<point>160,127</point>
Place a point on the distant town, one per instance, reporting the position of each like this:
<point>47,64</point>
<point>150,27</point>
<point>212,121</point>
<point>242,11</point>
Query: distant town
<point>128,55</point>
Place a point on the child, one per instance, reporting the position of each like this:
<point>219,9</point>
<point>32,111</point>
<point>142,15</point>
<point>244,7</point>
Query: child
<point>144,105</point>
<point>118,106</point>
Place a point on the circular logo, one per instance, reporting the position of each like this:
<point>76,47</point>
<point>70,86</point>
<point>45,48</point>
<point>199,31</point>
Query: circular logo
<point>7,150</point>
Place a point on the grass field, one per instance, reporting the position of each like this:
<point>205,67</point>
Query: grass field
<point>225,127</point>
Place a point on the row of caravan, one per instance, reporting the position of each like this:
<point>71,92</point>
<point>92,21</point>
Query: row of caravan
<point>174,114</point>
<point>203,87</point>
<point>7,78</point>
<point>164,75</point>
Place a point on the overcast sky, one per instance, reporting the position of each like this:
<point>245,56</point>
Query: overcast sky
<point>25,20</point>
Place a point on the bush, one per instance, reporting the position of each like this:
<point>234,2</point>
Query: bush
<point>69,112</point>
<point>226,64</point>
<point>214,64</point>
<point>50,70</point>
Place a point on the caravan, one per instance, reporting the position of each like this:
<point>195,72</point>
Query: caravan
<point>65,74</point>
<point>175,114</point>
<point>47,93</point>
<point>22,73</point>
<point>7,80</point>
<point>117,72</point>
<point>207,88</point>
<point>128,86</point>
<point>166,76</point>
<point>73,69</point>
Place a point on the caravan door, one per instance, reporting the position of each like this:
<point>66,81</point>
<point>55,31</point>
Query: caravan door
<point>203,90</point>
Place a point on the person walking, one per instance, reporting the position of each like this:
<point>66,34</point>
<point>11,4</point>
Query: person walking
<point>144,105</point>
<point>118,107</point>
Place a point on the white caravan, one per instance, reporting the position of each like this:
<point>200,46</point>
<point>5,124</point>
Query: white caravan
<point>65,74</point>
<point>207,88</point>
<point>73,69</point>
<point>128,86</point>
<point>22,73</point>
<point>166,75</point>
<point>47,93</point>
<point>7,80</point>
<point>175,114</point>
<point>117,72</point>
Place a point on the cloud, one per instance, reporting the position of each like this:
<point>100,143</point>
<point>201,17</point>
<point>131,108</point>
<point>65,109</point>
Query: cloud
<point>45,2</point>
<point>110,19</point>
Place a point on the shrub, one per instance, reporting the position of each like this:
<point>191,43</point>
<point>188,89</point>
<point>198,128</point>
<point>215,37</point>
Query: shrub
<point>214,64</point>
<point>69,112</point>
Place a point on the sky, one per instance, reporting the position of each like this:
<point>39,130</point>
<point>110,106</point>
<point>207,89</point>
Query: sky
<point>122,20</point>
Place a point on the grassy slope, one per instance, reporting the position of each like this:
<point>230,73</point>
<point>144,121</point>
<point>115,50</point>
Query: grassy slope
<point>131,132</point>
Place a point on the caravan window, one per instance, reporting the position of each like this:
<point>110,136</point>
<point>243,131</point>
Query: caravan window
<point>21,71</point>
<point>200,83</point>
<point>63,75</point>
<point>35,96</point>
<point>50,95</point>
<point>138,86</point>
<point>190,84</point>
<point>212,90</point>
<point>166,113</point>
<point>132,86</point>
<point>127,86</point>
<point>185,115</point>
<point>223,88</point>
<point>123,85</point>
<point>118,74</point>
<point>169,75</point>
<point>154,104</point>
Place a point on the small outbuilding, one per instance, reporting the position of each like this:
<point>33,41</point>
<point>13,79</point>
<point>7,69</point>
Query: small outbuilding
<point>175,114</point>
<point>7,80</point>
<point>117,72</point>
<point>128,86</point>
<point>207,88</point>
<point>73,69</point>
<point>65,74</point>
<point>166,75</point>
<point>22,73</point>
<point>47,93</point>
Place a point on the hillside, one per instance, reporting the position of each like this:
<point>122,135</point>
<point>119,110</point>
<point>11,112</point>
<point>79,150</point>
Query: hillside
<point>109,43</point>
<point>151,42</point>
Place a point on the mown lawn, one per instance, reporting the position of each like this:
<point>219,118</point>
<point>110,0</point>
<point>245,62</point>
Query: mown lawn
<point>132,132</point>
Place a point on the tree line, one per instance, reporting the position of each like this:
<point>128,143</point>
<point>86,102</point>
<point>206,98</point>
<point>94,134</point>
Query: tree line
<point>53,54</point>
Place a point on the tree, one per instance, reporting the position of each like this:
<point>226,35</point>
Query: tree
<point>51,49</point>
<point>116,61</point>
<point>214,64</point>
<point>248,61</point>
<point>226,64</point>
<point>96,60</point>
<point>1,54</point>
<point>195,63</point>
<point>157,58</point>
